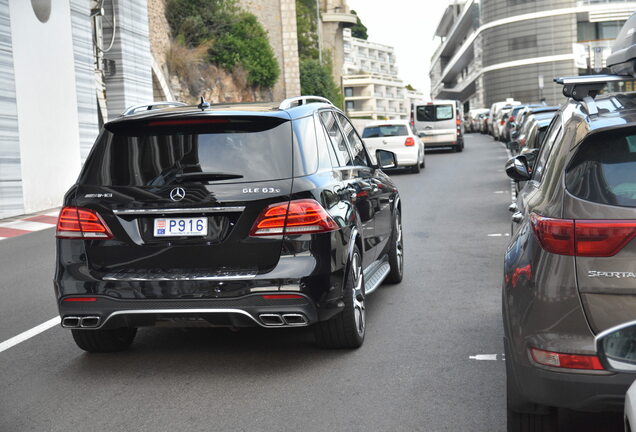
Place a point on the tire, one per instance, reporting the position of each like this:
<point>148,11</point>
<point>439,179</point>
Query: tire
<point>459,148</point>
<point>415,169</point>
<point>423,164</point>
<point>524,416</point>
<point>95,341</point>
<point>396,251</point>
<point>347,328</point>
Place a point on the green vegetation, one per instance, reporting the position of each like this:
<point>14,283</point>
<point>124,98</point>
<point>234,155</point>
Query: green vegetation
<point>235,38</point>
<point>409,87</point>
<point>315,78</point>
<point>359,30</point>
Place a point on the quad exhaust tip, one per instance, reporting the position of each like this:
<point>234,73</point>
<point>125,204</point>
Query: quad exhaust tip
<point>279,320</point>
<point>89,321</point>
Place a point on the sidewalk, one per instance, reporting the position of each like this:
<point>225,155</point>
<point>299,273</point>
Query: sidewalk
<point>25,224</point>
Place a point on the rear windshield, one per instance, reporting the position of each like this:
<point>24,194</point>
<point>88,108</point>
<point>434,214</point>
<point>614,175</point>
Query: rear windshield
<point>604,169</point>
<point>385,131</point>
<point>430,113</point>
<point>164,152</point>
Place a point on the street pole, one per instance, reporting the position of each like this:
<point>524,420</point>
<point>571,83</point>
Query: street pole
<point>319,29</point>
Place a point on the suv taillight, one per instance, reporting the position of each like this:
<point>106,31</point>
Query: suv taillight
<point>511,119</point>
<point>585,238</point>
<point>76,222</point>
<point>410,142</point>
<point>300,216</point>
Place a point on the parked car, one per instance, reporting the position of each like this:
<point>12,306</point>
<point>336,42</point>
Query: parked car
<point>471,120</point>
<point>483,122</point>
<point>199,215</point>
<point>567,268</point>
<point>616,349</point>
<point>494,111</point>
<point>439,124</point>
<point>500,121</point>
<point>399,137</point>
<point>532,110</point>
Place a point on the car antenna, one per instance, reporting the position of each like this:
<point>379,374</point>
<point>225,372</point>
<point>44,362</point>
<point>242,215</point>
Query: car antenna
<point>203,105</point>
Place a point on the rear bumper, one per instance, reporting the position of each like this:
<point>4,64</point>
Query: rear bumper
<point>246,311</point>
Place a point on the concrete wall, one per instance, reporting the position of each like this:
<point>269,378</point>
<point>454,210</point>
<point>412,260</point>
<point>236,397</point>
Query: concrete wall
<point>46,102</point>
<point>278,17</point>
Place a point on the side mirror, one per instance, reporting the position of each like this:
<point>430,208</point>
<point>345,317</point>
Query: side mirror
<point>517,169</point>
<point>616,348</point>
<point>386,159</point>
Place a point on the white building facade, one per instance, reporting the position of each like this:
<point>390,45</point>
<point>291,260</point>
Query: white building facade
<point>372,87</point>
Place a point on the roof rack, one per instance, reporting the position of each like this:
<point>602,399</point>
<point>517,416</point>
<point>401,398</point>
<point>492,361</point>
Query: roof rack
<point>302,100</point>
<point>151,106</point>
<point>584,88</point>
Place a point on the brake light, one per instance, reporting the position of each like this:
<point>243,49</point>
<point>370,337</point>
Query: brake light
<point>602,238</point>
<point>522,142</point>
<point>282,296</point>
<point>585,238</point>
<point>410,142</point>
<point>511,118</point>
<point>458,121</point>
<point>300,216</point>
<point>566,361</point>
<point>501,122</point>
<point>80,299</point>
<point>76,222</point>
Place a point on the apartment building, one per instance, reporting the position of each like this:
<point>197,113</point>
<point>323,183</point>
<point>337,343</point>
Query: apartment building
<point>372,88</point>
<point>493,49</point>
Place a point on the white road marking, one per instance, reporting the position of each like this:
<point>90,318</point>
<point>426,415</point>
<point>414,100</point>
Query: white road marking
<point>499,235</point>
<point>487,357</point>
<point>26,225</point>
<point>29,333</point>
<point>500,192</point>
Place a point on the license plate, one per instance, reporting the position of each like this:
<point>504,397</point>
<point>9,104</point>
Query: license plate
<point>176,227</point>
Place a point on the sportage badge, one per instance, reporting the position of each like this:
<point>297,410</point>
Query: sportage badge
<point>177,194</point>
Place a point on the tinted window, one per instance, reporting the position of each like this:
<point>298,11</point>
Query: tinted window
<point>337,139</point>
<point>434,112</point>
<point>357,147</point>
<point>385,131</point>
<point>553,136</point>
<point>306,159</point>
<point>257,150</point>
<point>603,169</point>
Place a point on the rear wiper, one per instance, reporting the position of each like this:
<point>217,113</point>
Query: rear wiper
<point>206,176</point>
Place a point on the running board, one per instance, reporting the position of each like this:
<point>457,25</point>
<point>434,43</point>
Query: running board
<point>375,274</point>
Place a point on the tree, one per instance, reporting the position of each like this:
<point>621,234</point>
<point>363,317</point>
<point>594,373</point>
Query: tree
<point>306,29</point>
<point>409,87</point>
<point>316,79</point>
<point>359,30</point>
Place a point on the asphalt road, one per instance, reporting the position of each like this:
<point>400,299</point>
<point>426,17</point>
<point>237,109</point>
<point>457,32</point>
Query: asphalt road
<point>413,373</point>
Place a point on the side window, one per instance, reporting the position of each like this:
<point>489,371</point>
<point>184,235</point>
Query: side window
<point>327,156</point>
<point>554,134</point>
<point>337,138</point>
<point>357,147</point>
<point>306,151</point>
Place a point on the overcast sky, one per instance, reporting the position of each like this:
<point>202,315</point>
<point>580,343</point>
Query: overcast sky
<point>408,25</point>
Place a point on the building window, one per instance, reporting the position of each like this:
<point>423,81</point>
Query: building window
<point>351,105</point>
<point>522,42</point>
<point>591,31</point>
<point>518,2</point>
<point>348,91</point>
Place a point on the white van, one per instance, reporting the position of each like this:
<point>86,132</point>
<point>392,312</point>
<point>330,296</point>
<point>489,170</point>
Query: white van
<point>439,124</point>
<point>494,110</point>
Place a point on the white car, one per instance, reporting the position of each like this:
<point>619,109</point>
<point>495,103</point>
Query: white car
<point>399,137</point>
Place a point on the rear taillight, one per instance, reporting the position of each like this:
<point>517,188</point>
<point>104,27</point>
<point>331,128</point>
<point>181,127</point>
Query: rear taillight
<point>501,122</point>
<point>511,119</point>
<point>602,238</point>
<point>554,235</point>
<point>76,222</point>
<point>522,142</point>
<point>565,361</point>
<point>301,216</point>
<point>410,142</point>
<point>585,238</point>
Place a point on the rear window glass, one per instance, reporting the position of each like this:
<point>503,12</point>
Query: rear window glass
<point>160,153</point>
<point>603,169</point>
<point>385,131</point>
<point>434,112</point>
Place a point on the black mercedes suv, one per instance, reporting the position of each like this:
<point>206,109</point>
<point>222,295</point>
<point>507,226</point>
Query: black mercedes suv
<point>227,215</point>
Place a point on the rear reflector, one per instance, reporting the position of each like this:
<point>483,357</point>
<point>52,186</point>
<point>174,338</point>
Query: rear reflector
<point>409,142</point>
<point>584,238</point>
<point>80,299</point>
<point>282,296</point>
<point>301,216</point>
<point>76,222</point>
<point>565,361</point>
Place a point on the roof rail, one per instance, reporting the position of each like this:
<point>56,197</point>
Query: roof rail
<point>151,106</point>
<point>302,100</point>
<point>584,88</point>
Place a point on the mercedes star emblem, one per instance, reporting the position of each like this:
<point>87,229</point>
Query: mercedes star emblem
<point>177,194</point>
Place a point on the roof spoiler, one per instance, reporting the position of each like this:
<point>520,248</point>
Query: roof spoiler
<point>302,100</point>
